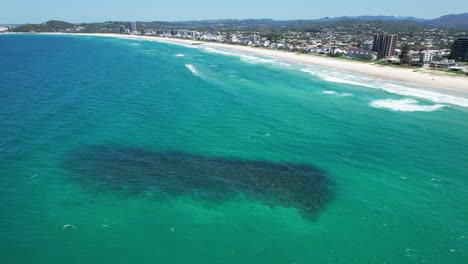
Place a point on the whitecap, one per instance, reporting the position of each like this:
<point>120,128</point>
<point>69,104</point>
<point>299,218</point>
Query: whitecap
<point>432,96</point>
<point>284,64</point>
<point>335,79</point>
<point>179,55</point>
<point>213,50</point>
<point>68,226</point>
<point>262,60</point>
<point>405,105</point>
<point>255,60</point>
<point>336,93</point>
<point>243,57</point>
<point>390,87</point>
<point>192,69</point>
<point>248,58</point>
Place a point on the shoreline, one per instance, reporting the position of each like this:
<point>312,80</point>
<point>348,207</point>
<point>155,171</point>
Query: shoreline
<point>433,80</point>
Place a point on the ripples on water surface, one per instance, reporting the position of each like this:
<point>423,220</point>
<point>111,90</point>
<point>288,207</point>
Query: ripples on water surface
<point>123,151</point>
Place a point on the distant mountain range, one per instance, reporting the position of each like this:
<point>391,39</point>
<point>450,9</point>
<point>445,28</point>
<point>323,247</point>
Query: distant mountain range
<point>389,23</point>
<point>372,18</point>
<point>458,21</point>
<point>455,21</point>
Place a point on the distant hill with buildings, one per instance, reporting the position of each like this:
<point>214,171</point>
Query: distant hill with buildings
<point>372,18</point>
<point>384,23</point>
<point>49,26</point>
<point>451,21</point>
<point>457,21</point>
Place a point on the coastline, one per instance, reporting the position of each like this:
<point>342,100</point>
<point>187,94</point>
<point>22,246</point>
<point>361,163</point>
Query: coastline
<point>425,78</point>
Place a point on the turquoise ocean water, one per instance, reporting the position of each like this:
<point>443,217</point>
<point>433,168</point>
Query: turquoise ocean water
<point>124,151</point>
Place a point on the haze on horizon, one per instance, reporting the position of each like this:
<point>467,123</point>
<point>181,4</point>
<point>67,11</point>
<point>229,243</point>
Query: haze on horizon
<point>29,11</point>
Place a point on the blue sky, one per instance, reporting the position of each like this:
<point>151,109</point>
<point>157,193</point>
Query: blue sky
<point>35,11</point>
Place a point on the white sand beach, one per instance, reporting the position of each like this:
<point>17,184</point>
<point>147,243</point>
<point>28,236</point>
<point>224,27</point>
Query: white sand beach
<point>422,77</point>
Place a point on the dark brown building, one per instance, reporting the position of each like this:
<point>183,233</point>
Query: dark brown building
<point>459,50</point>
<point>384,45</point>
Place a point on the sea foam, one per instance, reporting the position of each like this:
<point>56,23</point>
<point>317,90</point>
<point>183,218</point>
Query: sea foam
<point>351,79</point>
<point>254,59</point>
<point>248,58</point>
<point>213,50</point>
<point>336,93</point>
<point>192,69</point>
<point>337,80</point>
<point>264,60</point>
<point>405,105</point>
<point>390,87</point>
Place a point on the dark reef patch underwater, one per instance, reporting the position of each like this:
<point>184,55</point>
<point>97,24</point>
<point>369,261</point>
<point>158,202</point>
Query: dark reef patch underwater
<point>132,170</point>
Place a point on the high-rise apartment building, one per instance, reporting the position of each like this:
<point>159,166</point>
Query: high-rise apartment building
<point>133,27</point>
<point>460,49</point>
<point>384,45</point>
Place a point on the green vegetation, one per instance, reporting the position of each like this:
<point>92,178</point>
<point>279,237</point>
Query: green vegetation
<point>61,26</point>
<point>50,26</point>
<point>357,25</point>
<point>404,53</point>
<point>106,27</point>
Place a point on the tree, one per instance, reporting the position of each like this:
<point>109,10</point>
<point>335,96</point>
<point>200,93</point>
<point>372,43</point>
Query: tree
<point>404,53</point>
<point>359,43</point>
<point>141,28</point>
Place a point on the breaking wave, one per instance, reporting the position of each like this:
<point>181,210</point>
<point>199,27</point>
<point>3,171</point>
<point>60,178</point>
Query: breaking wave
<point>391,88</point>
<point>248,58</point>
<point>336,93</point>
<point>405,105</point>
<point>254,59</point>
<point>213,50</point>
<point>192,69</point>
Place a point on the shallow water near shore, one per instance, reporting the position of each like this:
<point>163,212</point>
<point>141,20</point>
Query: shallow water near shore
<point>105,144</point>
